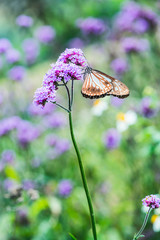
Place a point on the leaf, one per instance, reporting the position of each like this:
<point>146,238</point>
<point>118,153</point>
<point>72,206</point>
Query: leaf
<point>70,234</point>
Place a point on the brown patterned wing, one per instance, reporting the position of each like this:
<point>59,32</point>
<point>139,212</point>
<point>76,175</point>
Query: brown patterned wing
<point>96,85</point>
<point>119,90</point>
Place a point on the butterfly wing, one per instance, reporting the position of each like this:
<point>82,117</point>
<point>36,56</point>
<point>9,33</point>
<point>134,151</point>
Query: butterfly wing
<point>119,90</point>
<point>96,84</point>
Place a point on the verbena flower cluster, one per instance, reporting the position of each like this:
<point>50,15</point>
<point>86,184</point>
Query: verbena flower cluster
<point>151,201</point>
<point>65,69</point>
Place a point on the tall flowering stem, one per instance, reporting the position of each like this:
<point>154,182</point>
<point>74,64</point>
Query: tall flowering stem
<point>83,178</point>
<point>67,68</point>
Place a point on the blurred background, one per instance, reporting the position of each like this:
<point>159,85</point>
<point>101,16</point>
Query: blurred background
<point>41,193</point>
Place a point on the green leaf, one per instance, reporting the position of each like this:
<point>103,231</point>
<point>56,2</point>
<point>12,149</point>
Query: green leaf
<point>72,236</point>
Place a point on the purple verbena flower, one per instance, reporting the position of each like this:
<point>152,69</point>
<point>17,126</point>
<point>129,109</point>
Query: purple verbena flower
<point>112,138</point>
<point>91,25</point>
<point>116,102</point>
<point>9,184</point>
<point>45,34</point>
<point>26,133</point>
<point>73,55</point>
<point>31,49</point>
<point>151,201</point>
<point>65,188</point>
<point>24,21</point>
<point>140,26</point>
<point>8,124</point>
<point>51,140</point>
<point>132,44</point>
<point>12,55</point>
<point>4,45</point>
<point>43,95</point>
<point>150,16</point>
<point>147,109</point>
<point>17,73</point>
<point>119,66</point>
<point>8,156</point>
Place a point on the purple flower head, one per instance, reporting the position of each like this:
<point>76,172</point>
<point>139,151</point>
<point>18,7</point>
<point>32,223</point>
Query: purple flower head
<point>26,133</point>
<point>147,109</point>
<point>112,138</point>
<point>62,145</point>
<point>31,49</point>
<point>151,201</point>
<point>43,95</point>
<point>4,45</point>
<point>56,120</point>
<point>24,21</point>
<point>140,26</point>
<point>61,72</point>
<point>36,110</point>
<point>51,140</point>
<point>8,156</point>
<point>28,184</point>
<point>150,17</point>
<point>76,43</point>
<point>91,25</point>
<point>45,34</point>
<point>17,73</point>
<point>73,55</point>
<point>116,102</point>
<point>12,55</point>
<point>9,184</point>
<point>119,66</point>
<point>65,188</point>
<point>132,44</point>
<point>8,124</point>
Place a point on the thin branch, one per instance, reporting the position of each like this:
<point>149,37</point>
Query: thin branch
<point>57,104</point>
<point>69,97</point>
<point>72,88</point>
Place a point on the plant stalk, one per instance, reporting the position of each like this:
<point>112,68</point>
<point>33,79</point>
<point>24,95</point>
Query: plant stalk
<point>83,178</point>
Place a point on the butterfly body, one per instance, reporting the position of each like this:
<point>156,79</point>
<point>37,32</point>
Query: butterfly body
<point>98,84</point>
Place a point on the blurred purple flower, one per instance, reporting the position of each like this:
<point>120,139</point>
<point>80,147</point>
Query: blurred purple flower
<point>31,49</point>
<point>28,184</point>
<point>116,102</point>
<point>56,120</point>
<point>76,43</point>
<point>12,55</point>
<point>44,94</point>
<point>9,184</point>
<point>150,17</point>
<point>119,66</point>
<point>4,45</point>
<point>8,156</point>
<point>26,133</point>
<point>8,124</point>
<point>132,44</point>
<point>65,188</point>
<point>39,111</point>
<point>45,34</point>
<point>17,73</point>
<point>112,138</point>
<point>91,25</point>
<point>24,21</point>
<point>147,109</point>
<point>73,55</point>
<point>151,201</point>
<point>62,145</point>
<point>22,217</point>
<point>51,140</point>
<point>140,26</point>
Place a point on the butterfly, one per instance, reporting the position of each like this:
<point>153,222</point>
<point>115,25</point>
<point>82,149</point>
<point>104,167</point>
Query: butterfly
<point>98,84</point>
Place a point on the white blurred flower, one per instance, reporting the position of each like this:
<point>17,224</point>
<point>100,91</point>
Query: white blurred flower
<point>55,206</point>
<point>156,223</point>
<point>99,106</point>
<point>144,209</point>
<point>124,120</point>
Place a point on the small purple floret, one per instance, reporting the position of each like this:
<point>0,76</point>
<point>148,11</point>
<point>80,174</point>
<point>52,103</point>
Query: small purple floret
<point>24,21</point>
<point>12,55</point>
<point>17,73</point>
<point>112,138</point>
<point>65,188</point>
<point>151,201</point>
<point>4,45</point>
<point>45,34</point>
<point>119,66</point>
<point>91,25</point>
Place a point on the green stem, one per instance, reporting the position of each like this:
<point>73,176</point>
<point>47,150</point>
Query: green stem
<point>143,226</point>
<point>83,178</point>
